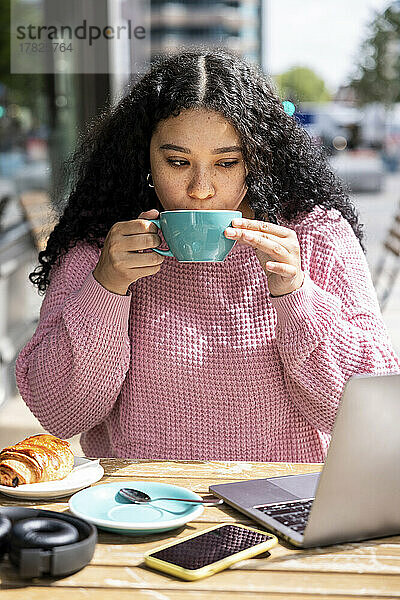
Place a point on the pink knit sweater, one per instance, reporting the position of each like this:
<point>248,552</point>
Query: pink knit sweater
<point>198,361</point>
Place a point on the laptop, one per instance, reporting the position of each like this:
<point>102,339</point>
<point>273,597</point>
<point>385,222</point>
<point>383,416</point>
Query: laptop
<point>357,494</point>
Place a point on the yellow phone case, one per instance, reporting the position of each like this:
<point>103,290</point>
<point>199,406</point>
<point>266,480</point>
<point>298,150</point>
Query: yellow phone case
<point>206,571</point>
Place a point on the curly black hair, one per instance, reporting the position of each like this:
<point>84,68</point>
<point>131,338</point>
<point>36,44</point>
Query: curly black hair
<point>288,173</point>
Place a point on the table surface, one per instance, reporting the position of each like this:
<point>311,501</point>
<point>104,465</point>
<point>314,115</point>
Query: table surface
<point>354,570</point>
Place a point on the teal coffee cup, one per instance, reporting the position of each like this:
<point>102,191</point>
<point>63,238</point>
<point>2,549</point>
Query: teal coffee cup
<point>196,235</point>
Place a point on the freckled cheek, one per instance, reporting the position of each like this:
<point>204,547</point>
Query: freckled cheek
<point>235,190</point>
<point>168,187</point>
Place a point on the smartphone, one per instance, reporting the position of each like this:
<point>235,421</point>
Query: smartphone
<point>209,551</point>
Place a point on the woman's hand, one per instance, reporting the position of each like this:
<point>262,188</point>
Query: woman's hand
<point>121,261</point>
<point>277,248</point>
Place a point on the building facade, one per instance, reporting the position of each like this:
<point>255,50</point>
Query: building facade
<point>236,24</point>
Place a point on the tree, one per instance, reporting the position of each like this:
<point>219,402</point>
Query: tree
<point>301,84</point>
<point>376,77</point>
<point>21,89</point>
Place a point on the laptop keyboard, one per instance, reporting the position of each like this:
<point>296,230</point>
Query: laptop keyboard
<point>291,514</point>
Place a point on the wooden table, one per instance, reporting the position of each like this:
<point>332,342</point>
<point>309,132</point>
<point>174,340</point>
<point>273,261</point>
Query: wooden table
<point>359,570</point>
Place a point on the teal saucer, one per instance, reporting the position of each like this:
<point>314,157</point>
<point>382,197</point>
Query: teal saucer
<point>104,507</point>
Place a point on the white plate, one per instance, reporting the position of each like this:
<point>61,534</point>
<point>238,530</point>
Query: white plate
<point>76,480</point>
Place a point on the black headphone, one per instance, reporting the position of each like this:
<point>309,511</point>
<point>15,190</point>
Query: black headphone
<point>45,542</point>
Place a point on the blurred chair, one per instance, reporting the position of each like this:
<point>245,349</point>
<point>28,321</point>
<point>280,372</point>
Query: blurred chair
<point>22,236</point>
<point>388,266</point>
<point>40,214</point>
<point>3,204</point>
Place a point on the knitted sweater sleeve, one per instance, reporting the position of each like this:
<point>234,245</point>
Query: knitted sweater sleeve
<point>71,371</point>
<point>332,327</point>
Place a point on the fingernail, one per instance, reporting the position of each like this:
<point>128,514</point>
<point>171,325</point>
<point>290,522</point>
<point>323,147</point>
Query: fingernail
<point>237,222</point>
<point>230,231</point>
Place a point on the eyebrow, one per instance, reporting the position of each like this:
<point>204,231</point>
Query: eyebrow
<point>215,151</point>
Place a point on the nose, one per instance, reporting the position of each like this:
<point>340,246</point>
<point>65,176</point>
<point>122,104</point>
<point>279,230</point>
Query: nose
<point>201,188</point>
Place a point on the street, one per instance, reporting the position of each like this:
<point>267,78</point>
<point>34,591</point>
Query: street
<point>376,212</point>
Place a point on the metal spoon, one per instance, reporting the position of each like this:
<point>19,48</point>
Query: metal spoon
<point>84,465</point>
<point>138,497</point>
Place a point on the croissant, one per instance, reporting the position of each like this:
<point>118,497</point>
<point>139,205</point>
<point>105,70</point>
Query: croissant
<point>38,458</point>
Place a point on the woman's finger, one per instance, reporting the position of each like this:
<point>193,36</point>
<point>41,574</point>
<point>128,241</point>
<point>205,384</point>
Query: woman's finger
<point>290,244</point>
<point>282,269</point>
<point>262,226</point>
<point>262,242</point>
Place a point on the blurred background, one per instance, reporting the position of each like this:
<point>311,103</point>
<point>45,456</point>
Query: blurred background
<point>337,61</point>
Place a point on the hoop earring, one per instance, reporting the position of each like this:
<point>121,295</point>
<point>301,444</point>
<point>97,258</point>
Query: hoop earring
<point>147,179</point>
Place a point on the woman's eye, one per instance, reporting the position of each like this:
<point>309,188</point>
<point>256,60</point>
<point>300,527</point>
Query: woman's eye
<point>173,162</point>
<point>224,164</point>
<point>228,164</point>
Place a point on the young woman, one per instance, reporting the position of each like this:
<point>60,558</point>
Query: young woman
<point>240,360</point>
